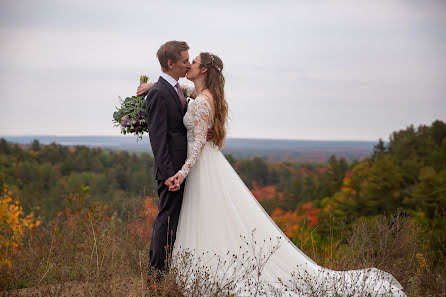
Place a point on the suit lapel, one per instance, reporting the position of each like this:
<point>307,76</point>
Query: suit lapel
<point>174,94</point>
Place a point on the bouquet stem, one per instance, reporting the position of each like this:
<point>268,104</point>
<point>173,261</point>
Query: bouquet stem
<point>143,79</point>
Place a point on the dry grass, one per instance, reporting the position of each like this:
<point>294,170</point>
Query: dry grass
<point>88,251</point>
<point>397,245</point>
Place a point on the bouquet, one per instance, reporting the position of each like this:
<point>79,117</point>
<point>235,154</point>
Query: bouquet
<point>131,116</point>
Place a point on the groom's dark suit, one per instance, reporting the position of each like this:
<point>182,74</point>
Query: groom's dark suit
<point>169,145</point>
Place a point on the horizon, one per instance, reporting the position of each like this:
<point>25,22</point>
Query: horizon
<point>273,150</point>
<point>241,138</point>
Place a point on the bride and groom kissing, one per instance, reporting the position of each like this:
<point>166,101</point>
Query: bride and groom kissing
<point>213,210</point>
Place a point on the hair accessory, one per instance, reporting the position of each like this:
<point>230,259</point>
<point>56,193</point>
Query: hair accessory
<point>213,62</point>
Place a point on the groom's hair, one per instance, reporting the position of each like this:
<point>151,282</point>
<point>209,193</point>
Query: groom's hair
<point>171,50</point>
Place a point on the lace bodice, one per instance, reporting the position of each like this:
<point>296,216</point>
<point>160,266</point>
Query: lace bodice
<point>197,120</point>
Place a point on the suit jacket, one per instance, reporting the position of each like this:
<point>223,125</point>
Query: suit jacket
<point>168,136</point>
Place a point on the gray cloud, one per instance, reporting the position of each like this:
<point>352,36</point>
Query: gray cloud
<point>295,69</point>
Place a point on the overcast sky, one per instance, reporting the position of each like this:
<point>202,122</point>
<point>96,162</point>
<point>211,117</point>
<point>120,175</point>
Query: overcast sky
<point>328,70</point>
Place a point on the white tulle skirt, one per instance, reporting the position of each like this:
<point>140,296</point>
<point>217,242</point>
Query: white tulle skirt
<point>223,226</point>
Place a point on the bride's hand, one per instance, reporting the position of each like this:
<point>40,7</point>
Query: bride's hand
<point>178,179</point>
<point>143,89</point>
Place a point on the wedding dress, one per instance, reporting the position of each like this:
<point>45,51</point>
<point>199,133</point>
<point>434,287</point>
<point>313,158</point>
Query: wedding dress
<point>224,227</point>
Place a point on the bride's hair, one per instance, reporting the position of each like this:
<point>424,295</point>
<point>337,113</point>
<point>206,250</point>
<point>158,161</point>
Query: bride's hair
<point>215,83</point>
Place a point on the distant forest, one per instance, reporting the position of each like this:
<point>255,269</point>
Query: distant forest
<point>408,173</point>
<point>271,150</point>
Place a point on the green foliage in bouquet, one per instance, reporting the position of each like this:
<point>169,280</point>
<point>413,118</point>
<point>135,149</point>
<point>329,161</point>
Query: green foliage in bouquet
<point>131,116</point>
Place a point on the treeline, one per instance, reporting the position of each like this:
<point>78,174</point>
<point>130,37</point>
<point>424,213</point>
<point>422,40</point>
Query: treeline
<point>43,175</point>
<point>286,185</point>
<point>406,176</point>
<point>408,173</point>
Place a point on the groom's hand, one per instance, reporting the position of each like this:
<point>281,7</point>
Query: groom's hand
<point>172,182</point>
<point>178,179</point>
<point>169,183</point>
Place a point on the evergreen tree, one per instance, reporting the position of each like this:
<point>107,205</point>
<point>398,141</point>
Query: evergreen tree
<point>379,149</point>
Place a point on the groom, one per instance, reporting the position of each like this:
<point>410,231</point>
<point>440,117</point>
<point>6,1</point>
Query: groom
<point>166,106</point>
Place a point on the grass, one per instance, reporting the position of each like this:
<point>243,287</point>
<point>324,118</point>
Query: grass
<point>89,251</point>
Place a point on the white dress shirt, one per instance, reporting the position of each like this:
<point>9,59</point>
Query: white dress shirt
<point>169,79</point>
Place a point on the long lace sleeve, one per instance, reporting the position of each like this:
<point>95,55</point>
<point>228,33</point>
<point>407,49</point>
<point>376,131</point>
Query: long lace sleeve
<point>201,112</point>
<point>190,90</point>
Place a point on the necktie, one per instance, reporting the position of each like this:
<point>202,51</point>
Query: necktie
<point>181,95</point>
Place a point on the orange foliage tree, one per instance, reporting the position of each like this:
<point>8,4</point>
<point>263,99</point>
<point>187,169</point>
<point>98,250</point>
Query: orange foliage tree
<point>298,224</point>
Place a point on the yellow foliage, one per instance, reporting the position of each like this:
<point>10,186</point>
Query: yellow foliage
<point>422,262</point>
<point>13,222</point>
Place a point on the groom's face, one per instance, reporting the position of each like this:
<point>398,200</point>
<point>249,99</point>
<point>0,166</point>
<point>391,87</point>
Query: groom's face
<point>182,65</point>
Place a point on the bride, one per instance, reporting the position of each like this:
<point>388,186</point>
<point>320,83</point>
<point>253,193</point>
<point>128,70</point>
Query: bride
<point>227,230</point>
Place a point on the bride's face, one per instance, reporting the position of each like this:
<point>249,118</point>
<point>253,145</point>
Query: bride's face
<point>195,69</point>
